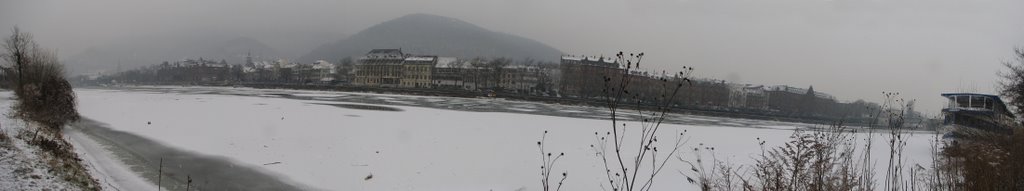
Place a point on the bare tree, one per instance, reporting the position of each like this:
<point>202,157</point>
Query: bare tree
<point>46,98</point>
<point>495,71</point>
<point>548,165</point>
<point>44,95</point>
<point>623,167</point>
<point>17,50</point>
<point>1012,83</point>
<point>462,67</point>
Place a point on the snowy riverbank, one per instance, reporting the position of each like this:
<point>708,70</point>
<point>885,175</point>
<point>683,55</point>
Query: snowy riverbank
<point>21,165</point>
<point>313,139</point>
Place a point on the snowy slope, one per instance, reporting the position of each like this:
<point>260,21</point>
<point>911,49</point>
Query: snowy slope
<point>112,173</point>
<point>21,166</point>
<point>337,147</point>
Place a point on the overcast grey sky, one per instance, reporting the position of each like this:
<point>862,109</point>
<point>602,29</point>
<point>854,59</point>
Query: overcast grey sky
<point>849,48</point>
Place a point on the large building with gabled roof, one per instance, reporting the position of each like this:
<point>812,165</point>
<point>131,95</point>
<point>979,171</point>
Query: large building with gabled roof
<point>380,68</point>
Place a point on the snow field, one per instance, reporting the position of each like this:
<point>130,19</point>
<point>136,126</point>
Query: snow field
<point>417,148</point>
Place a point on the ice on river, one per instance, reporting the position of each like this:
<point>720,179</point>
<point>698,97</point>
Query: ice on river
<point>337,145</point>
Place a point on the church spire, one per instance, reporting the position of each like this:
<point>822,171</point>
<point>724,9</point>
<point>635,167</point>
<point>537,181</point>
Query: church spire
<point>248,57</point>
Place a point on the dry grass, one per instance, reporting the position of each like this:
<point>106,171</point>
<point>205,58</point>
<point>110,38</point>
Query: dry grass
<point>814,160</point>
<point>59,156</point>
<point>5,141</point>
<point>829,158</point>
<point>826,160</point>
<point>980,160</point>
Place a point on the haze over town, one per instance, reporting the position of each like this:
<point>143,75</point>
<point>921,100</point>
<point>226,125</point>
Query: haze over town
<point>850,48</point>
<point>617,95</point>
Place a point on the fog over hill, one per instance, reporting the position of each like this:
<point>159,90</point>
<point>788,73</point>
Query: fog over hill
<point>916,47</point>
<point>415,34</point>
<point>435,35</point>
<point>146,51</point>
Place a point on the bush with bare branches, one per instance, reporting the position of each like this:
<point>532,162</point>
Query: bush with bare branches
<point>549,161</point>
<point>822,159</point>
<point>44,95</point>
<point>623,165</point>
<point>980,160</point>
<point>830,158</point>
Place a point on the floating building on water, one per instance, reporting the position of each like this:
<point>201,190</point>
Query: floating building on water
<point>972,111</point>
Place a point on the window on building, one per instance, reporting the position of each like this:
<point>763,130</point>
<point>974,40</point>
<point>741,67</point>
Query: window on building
<point>978,101</point>
<point>962,101</point>
<point>989,104</point>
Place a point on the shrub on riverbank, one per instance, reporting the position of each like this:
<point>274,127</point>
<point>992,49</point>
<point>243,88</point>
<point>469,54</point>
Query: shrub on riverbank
<point>981,160</point>
<point>47,101</point>
<point>43,94</point>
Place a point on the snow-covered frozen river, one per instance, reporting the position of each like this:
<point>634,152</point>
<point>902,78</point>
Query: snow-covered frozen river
<point>360,141</point>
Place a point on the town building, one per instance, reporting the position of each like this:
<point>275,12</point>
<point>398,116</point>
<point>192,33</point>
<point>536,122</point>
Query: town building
<point>380,68</point>
<point>798,101</point>
<point>649,88</point>
<point>704,94</point>
<point>417,71</point>
<point>198,70</point>
<point>583,77</point>
<point>520,79</point>
<point>345,71</point>
<point>261,71</point>
<point>451,73</point>
<point>747,96</point>
<point>323,72</point>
